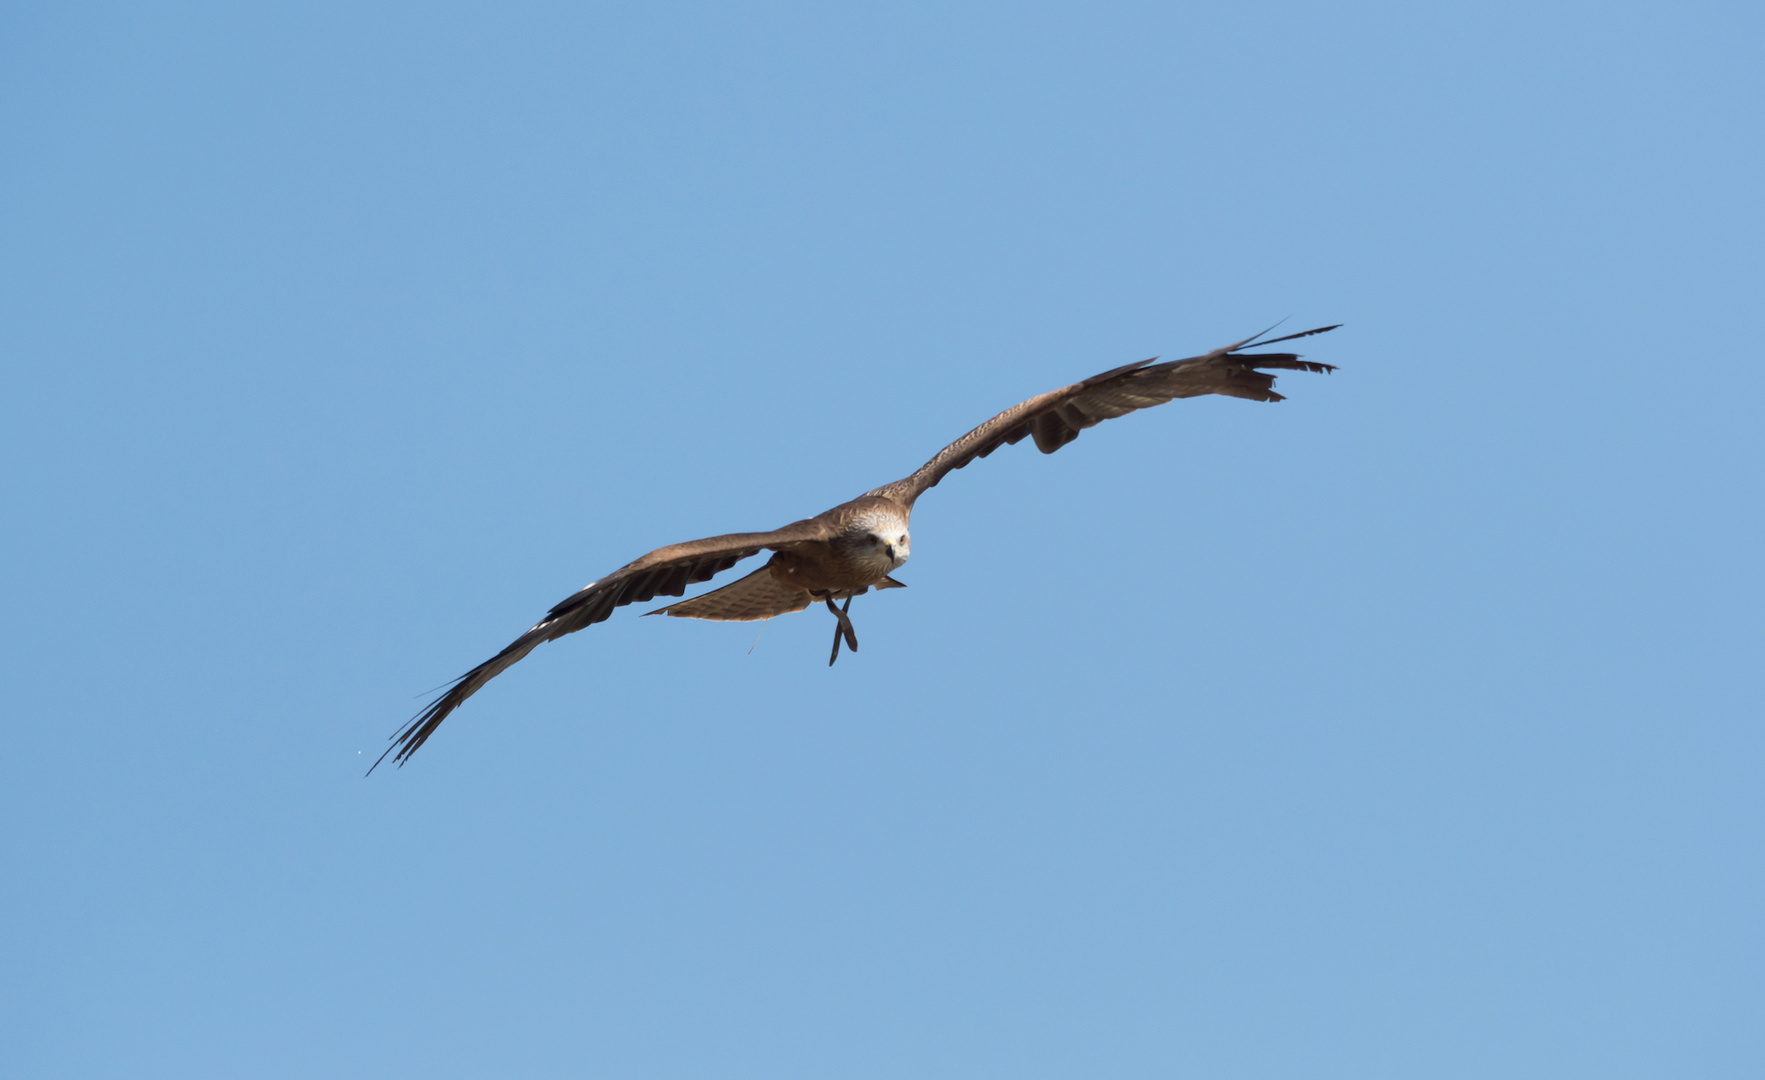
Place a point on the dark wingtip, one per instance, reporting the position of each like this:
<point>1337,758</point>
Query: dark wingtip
<point>413,733</point>
<point>1255,344</point>
<point>395,739</point>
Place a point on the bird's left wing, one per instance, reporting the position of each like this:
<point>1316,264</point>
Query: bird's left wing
<point>1056,418</point>
<point>665,571</point>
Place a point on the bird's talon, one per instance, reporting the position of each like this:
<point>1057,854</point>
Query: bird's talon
<point>842,630</point>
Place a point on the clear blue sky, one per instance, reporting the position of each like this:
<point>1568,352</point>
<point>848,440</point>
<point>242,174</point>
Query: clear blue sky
<point>1408,728</point>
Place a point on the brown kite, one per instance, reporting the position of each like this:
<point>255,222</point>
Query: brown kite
<point>849,550</point>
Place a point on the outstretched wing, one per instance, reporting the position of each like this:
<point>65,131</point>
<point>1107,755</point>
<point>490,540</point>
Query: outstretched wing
<point>666,571</point>
<point>1056,418</point>
<point>757,596</point>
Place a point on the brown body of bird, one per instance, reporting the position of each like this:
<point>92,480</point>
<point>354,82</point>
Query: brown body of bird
<point>849,550</point>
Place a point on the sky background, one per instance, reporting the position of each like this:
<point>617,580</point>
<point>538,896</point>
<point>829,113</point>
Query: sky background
<point>1408,728</point>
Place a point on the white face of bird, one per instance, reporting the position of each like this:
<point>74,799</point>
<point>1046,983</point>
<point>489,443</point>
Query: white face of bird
<point>897,546</point>
<point>888,544</point>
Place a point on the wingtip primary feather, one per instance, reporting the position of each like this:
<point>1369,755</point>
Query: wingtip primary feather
<point>1253,343</point>
<point>413,733</point>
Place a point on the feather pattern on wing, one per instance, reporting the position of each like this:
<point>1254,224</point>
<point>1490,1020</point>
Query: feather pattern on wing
<point>757,596</point>
<point>665,571</point>
<point>1056,418</point>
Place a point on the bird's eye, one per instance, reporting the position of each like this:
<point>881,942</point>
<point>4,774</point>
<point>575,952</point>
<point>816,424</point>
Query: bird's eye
<point>875,539</point>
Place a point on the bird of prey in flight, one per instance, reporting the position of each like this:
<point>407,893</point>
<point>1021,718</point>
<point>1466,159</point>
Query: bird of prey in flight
<point>851,549</point>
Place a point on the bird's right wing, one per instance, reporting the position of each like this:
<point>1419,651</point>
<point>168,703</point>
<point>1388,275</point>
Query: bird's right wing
<point>665,571</point>
<point>1056,418</point>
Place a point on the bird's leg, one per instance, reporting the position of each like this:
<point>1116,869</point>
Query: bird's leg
<point>843,629</point>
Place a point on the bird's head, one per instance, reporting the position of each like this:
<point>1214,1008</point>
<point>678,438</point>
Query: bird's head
<point>889,544</point>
